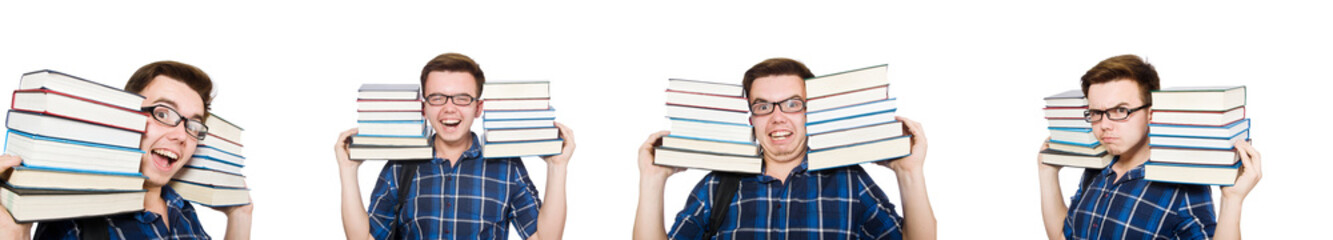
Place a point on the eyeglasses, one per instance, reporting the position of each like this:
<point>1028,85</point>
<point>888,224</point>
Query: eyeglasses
<point>1115,114</point>
<point>170,117</point>
<point>761,107</point>
<point>440,99</point>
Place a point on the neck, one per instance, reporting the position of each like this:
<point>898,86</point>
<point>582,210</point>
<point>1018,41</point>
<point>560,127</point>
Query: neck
<point>452,150</point>
<point>1131,158</point>
<point>153,201</point>
<point>781,166</point>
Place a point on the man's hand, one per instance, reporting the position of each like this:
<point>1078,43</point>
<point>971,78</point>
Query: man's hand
<point>8,228</point>
<point>1250,172</point>
<point>646,154</point>
<point>914,162</point>
<point>565,152</point>
<point>340,150</point>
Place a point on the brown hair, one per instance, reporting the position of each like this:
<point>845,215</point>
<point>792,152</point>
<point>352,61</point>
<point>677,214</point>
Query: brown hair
<point>773,67</point>
<point>454,62</point>
<point>1126,66</point>
<point>186,73</point>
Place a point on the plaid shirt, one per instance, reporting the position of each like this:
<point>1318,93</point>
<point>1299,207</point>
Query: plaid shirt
<point>476,199</point>
<point>840,203</point>
<point>1135,208</point>
<point>137,225</point>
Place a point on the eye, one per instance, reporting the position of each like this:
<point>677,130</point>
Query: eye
<point>1120,110</point>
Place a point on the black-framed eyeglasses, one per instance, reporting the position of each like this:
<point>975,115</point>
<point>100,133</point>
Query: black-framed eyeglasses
<point>440,99</point>
<point>170,117</point>
<point>791,105</point>
<point>1115,114</point>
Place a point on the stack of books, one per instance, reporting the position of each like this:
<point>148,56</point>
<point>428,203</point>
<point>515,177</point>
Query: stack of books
<point>1072,142</point>
<point>1192,134</point>
<point>79,141</point>
<point>518,120</point>
<point>213,176</point>
<point>390,125</point>
<point>850,119</point>
<point>710,128</point>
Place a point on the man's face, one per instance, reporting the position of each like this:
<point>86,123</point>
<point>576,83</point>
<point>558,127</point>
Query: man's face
<point>780,134</point>
<point>168,148</point>
<point>1119,136</point>
<point>450,121</point>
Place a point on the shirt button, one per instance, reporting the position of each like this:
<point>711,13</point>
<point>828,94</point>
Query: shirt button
<point>779,205</point>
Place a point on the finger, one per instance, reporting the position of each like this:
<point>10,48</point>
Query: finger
<point>8,161</point>
<point>653,139</point>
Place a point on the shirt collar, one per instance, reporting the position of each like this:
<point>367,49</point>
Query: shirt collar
<point>1133,174</point>
<point>473,149</point>
<point>799,170</point>
<point>174,201</point>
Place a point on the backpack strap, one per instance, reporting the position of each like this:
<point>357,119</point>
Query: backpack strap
<point>407,171</point>
<point>93,228</point>
<point>725,190</point>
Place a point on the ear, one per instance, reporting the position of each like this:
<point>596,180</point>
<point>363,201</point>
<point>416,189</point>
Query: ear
<point>480,105</point>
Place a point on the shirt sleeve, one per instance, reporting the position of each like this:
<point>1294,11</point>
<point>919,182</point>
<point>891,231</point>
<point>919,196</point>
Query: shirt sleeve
<point>525,206</point>
<point>383,201</point>
<point>63,230</point>
<point>692,219</point>
<point>1197,220</point>
<point>878,217</point>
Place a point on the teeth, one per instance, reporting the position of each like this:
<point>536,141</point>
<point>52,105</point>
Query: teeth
<point>780,134</point>
<point>165,153</point>
<point>451,122</point>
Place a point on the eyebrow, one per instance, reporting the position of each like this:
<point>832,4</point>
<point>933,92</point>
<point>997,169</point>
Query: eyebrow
<point>757,99</point>
<point>1121,104</point>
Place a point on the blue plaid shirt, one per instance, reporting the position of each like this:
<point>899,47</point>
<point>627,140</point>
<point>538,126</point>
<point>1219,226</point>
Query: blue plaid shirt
<point>1135,208</point>
<point>136,225</point>
<point>840,203</point>
<point>477,199</point>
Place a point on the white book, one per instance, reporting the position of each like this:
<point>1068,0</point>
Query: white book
<point>1227,131</point>
<point>389,105</point>
<point>847,81</point>
<point>548,113</point>
<point>508,124</point>
<point>855,135</point>
<point>1096,149</point>
<point>711,161</point>
<point>1193,156</point>
<point>712,130</point>
<point>1198,117</point>
<point>1081,136</point>
<point>60,104</point>
<point>211,196</point>
<point>219,127</point>
<point>847,99</point>
<point>376,91</point>
<point>1076,160</point>
<point>521,134</point>
<point>714,88</point>
<point>524,148</point>
<point>63,128</point>
<point>516,90</point>
<point>391,128</point>
<point>1191,174</point>
<point>674,111</point>
<point>60,153</point>
<point>211,177</point>
<point>76,86</point>
<point>1195,142</point>
<point>814,128</point>
<point>728,103</point>
<point>1068,123</point>
<point>515,104</point>
<point>1205,98</point>
<point>390,116</point>
<point>74,180</point>
<point>710,146</point>
<point>222,144</point>
<point>208,162</point>
<point>29,206</point>
<point>422,141</point>
<point>885,105</point>
<point>1070,98</point>
<point>213,152</point>
<point>370,152</point>
<point>886,149</point>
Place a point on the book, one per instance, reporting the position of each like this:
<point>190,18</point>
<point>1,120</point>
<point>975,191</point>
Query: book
<point>831,84</point>
<point>1054,157</point>
<point>515,104</point>
<point>704,87</point>
<point>1068,123</point>
<point>63,128</point>
<point>547,113</point>
<point>41,151</point>
<point>1200,118</point>
<point>1193,156</point>
<point>876,106</point>
<point>381,152</point>
<point>1064,112</point>
<point>211,163</point>
<point>374,91</point>
<point>45,101</point>
<point>686,158</point>
<point>221,128</point>
<point>388,105</point>
<point>392,128</point>
<point>1074,136</point>
<point>844,99</point>
<point>854,135</point>
<point>1226,131</point>
<point>1224,175</point>
<point>390,116</point>
<point>522,148</point>
<point>726,116</point>
<point>211,177</point>
<point>220,155</point>
<point>28,177</point>
<point>83,88</point>
<point>1209,98</point>
<point>708,101</point>
<point>1071,98</point>
<point>846,122</point>
<point>511,124</point>
<point>711,146</point>
<point>1223,143</point>
<point>719,131</point>
<point>211,196</point>
<point>29,205</point>
<point>1095,148</point>
<point>223,145</point>
<point>865,152</point>
<point>521,134</point>
<point>516,90</point>
<point>391,141</point>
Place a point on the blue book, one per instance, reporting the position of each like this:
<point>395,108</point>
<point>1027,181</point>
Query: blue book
<point>1217,143</point>
<point>392,128</point>
<point>49,152</point>
<point>873,151</point>
<point>522,148</point>
<point>47,178</point>
<point>211,196</point>
<point>1175,130</point>
<point>1224,175</point>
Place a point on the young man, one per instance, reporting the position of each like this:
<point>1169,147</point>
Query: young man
<point>1117,202</point>
<point>176,96</point>
<point>458,194</point>
<point>786,201</point>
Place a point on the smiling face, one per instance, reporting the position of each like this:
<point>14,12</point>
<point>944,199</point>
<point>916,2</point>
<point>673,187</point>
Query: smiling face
<point>780,134</point>
<point>168,148</point>
<point>452,123</point>
<point>1121,136</point>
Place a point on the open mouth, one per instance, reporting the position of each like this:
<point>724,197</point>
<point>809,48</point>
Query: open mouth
<point>164,159</point>
<point>451,122</point>
<point>779,135</point>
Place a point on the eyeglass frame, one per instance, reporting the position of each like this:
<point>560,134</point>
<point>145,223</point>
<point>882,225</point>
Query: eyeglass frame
<point>449,98</point>
<point>1105,114</point>
<point>777,106</point>
<point>200,135</point>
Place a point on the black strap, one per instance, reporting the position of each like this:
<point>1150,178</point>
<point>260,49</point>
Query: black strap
<point>93,228</point>
<point>1088,174</point>
<point>725,190</point>
<point>406,172</point>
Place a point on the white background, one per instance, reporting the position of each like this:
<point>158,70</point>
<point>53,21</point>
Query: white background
<point>973,73</point>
